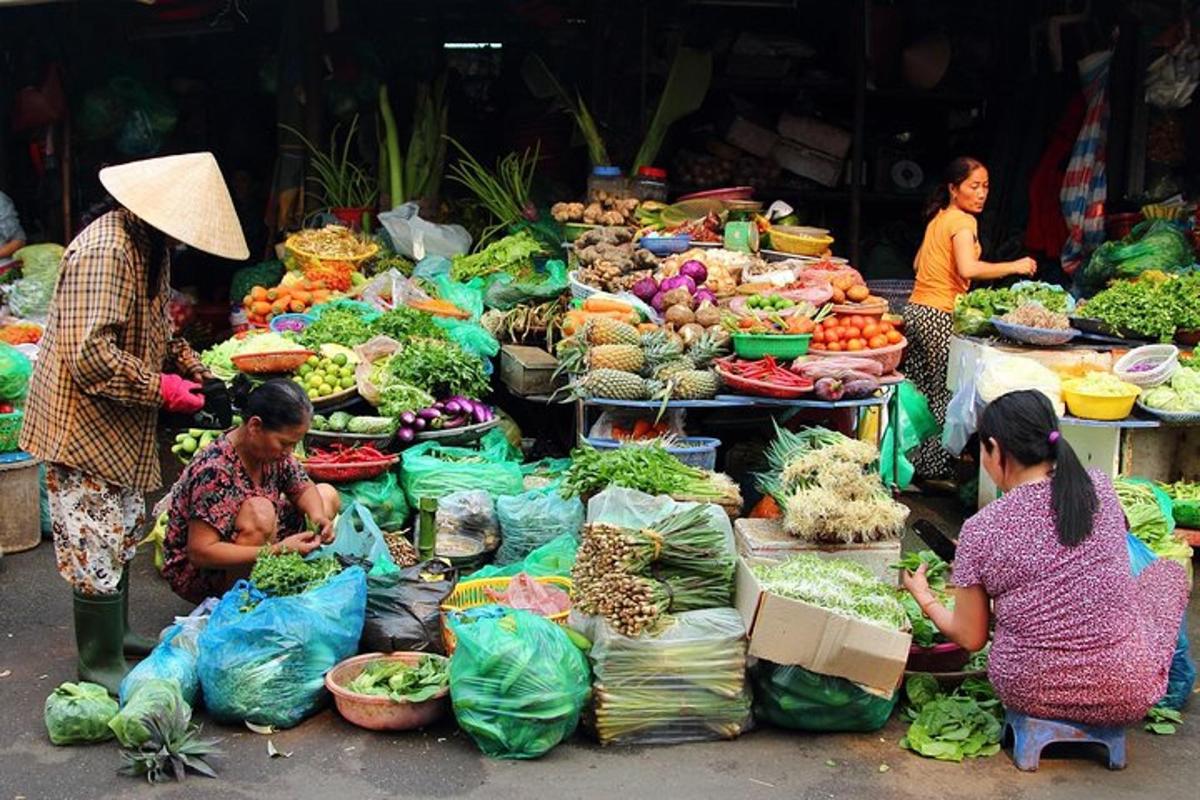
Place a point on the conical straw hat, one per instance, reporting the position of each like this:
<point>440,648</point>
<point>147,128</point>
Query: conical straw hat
<point>183,196</point>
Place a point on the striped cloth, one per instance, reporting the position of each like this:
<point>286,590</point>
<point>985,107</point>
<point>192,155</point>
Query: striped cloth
<point>1085,187</point>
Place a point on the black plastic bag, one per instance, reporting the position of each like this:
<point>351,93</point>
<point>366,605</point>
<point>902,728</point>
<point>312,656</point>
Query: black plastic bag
<point>403,608</point>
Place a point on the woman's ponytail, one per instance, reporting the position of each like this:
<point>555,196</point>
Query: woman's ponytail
<point>1072,493</point>
<point>956,172</point>
<point>938,199</point>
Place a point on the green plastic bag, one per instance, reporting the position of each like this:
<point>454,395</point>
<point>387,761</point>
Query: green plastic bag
<point>15,370</point>
<point>357,537</point>
<point>154,696</point>
<point>433,470</point>
<point>504,292</point>
<point>30,296</point>
<point>534,518</point>
<point>556,557</point>
<point>517,682</point>
<point>467,296</point>
<point>793,697</point>
<point>382,496</point>
<point>909,413</point>
<point>78,713</point>
<point>470,336</point>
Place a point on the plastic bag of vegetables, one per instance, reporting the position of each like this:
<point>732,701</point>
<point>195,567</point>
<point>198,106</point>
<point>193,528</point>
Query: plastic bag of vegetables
<point>517,681</point>
<point>266,662</point>
<point>173,658</point>
<point>1152,245</point>
<point>555,557</point>
<point>152,698</point>
<point>382,496</point>
<point>78,713</point>
<point>433,470</point>
<point>793,697</point>
<point>531,519</point>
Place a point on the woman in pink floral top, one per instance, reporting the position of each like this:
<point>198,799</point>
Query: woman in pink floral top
<point>1076,636</point>
<point>244,492</point>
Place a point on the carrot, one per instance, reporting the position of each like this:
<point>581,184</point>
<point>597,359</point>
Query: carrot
<point>642,429</point>
<point>261,308</point>
<point>606,304</point>
<point>766,508</point>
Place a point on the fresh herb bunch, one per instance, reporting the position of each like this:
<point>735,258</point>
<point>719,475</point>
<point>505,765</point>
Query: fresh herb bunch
<point>336,326</point>
<point>646,467</point>
<point>842,587</point>
<point>924,632</point>
<point>403,322</point>
<point>512,254</point>
<point>403,682</point>
<point>439,367</point>
<point>395,398</point>
<point>288,573</point>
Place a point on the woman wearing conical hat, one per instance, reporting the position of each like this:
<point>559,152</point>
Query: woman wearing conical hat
<point>108,364</point>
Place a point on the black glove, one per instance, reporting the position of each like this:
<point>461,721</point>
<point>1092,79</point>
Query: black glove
<point>218,404</point>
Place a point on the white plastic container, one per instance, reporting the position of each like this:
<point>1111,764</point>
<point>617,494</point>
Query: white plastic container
<point>1164,356</point>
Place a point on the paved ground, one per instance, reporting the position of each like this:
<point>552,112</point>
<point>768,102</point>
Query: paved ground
<point>330,758</point>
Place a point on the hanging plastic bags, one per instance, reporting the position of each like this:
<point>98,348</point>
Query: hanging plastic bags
<point>417,238</point>
<point>78,713</point>
<point>913,423</point>
<point>1181,678</point>
<point>382,496</point>
<point>403,608</point>
<point>531,519</point>
<point>793,697</point>
<point>517,682</point>
<point>267,665</point>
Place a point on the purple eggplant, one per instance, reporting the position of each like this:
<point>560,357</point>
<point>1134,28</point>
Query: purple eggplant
<point>405,434</point>
<point>408,418</point>
<point>429,413</point>
<point>480,413</point>
<point>860,388</point>
<point>440,405</point>
<point>453,422</point>
<point>829,389</point>
<point>420,423</point>
<point>452,407</point>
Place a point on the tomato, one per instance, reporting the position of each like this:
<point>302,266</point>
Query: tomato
<point>870,330</point>
<point>894,337</point>
<point>853,332</point>
<point>857,321</point>
<point>817,345</point>
<point>746,322</point>
<point>854,345</point>
<point>886,327</point>
<point>877,341</point>
<point>819,335</point>
<point>833,335</point>
<point>835,347</point>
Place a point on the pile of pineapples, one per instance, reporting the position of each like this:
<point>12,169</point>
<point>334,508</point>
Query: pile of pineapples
<point>612,360</point>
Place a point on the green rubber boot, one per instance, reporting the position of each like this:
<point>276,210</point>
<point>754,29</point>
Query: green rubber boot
<point>99,631</point>
<point>134,644</point>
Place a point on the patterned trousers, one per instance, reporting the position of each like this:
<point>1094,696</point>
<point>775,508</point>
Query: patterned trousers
<point>926,364</point>
<point>95,526</point>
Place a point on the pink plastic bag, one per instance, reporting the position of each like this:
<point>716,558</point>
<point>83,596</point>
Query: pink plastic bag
<point>524,592</point>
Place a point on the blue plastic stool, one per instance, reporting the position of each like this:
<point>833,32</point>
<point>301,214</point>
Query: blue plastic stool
<point>1031,735</point>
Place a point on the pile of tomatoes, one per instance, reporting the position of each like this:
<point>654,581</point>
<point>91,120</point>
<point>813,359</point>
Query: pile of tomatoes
<point>852,333</point>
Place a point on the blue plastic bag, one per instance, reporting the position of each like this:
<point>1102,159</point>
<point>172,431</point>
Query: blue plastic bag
<point>267,665</point>
<point>1182,676</point>
<point>174,658</point>
<point>356,536</point>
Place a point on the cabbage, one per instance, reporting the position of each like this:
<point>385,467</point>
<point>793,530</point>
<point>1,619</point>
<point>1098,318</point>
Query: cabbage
<point>1003,374</point>
<point>1153,245</point>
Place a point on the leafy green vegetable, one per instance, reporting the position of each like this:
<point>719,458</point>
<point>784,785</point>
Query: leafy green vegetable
<point>403,322</point>
<point>645,467</point>
<point>266,274</point>
<point>1152,245</point>
<point>1140,309</point>
<point>964,724</point>
<point>288,573</point>
<point>842,587</point>
<point>403,682</point>
<point>336,326</point>
<point>439,367</point>
<point>513,254</point>
<point>1180,395</point>
<point>974,310</point>
<point>395,398</point>
<point>76,713</point>
<point>1163,721</point>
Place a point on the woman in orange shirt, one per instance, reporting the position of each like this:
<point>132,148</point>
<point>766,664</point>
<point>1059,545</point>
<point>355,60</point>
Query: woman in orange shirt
<point>949,259</point>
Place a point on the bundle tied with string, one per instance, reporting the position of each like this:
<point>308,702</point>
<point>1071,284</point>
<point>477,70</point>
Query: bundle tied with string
<point>633,577</point>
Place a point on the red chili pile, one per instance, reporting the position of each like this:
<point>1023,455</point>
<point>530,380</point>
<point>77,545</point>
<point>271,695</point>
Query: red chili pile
<point>766,370</point>
<point>341,454</point>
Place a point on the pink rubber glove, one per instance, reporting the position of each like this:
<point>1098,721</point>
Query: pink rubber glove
<point>180,395</point>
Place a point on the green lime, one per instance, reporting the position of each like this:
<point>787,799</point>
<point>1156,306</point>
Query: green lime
<point>313,361</point>
<point>346,382</point>
<point>340,359</point>
<point>304,369</point>
<point>325,389</point>
<point>312,393</point>
<point>346,371</point>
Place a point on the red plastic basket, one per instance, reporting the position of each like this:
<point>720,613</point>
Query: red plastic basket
<point>345,473</point>
<point>761,388</point>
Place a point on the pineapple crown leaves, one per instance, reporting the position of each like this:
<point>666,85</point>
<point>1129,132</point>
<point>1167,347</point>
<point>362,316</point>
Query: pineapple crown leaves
<point>174,747</point>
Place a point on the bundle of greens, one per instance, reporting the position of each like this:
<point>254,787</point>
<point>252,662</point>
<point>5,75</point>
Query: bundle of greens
<point>1154,245</point>
<point>647,468</point>
<point>403,322</point>
<point>841,587</point>
<point>512,255</point>
<point>160,741</point>
<point>396,398</point>
<point>924,632</point>
<point>1149,512</point>
<point>287,574</point>
<point>403,682</point>
<point>685,682</point>
<point>633,577</point>
<point>964,724</point>
<point>1185,503</point>
<point>439,367</point>
<point>341,326</point>
<point>828,488</point>
<point>1138,309</point>
<point>974,310</point>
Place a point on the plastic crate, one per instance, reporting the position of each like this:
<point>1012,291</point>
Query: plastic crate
<point>702,453</point>
<point>10,431</point>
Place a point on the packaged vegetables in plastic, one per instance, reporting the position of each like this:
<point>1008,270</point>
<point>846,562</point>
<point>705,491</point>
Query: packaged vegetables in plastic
<point>517,682</point>
<point>796,698</point>
<point>433,470</point>
<point>466,523</point>
<point>531,519</point>
<point>174,658</point>
<point>78,713</point>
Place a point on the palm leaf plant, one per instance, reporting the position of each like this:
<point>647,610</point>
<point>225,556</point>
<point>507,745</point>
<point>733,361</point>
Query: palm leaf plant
<point>339,181</point>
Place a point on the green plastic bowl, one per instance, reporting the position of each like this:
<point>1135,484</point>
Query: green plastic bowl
<point>780,345</point>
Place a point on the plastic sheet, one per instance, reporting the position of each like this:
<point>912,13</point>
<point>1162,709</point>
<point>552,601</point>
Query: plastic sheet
<point>267,665</point>
<point>518,684</point>
<point>391,289</point>
<point>403,608</point>
<point>433,470</point>
<point>78,713</point>
<point>686,683</point>
<point>29,297</point>
<point>531,519</point>
<point>796,698</point>
<point>913,422</point>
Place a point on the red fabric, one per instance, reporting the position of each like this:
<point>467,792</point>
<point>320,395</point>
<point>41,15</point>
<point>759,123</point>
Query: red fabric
<point>1047,231</point>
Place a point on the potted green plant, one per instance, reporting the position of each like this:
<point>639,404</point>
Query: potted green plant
<point>342,186</point>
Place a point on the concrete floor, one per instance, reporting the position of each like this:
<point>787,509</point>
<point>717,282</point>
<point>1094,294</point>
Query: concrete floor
<point>331,758</point>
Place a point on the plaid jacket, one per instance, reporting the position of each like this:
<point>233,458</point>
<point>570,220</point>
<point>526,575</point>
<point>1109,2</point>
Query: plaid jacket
<point>94,397</point>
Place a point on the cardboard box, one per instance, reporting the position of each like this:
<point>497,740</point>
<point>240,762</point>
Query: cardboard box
<point>792,632</point>
<point>807,163</point>
<point>752,138</point>
<point>766,539</point>
<point>528,370</point>
<point>815,135</point>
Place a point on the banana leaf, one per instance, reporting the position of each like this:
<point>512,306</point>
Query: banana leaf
<point>543,85</point>
<point>687,84</point>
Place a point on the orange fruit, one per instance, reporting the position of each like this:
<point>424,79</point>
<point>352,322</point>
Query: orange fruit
<point>834,347</point>
<point>877,341</point>
<point>894,337</point>
<point>870,330</point>
<point>853,332</point>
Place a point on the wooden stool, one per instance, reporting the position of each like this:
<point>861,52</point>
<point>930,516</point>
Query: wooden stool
<point>1031,735</point>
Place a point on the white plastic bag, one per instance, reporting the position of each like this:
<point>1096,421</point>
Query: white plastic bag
<point>416,238</point>
<point>390,289</point>
<point>962,417</point>
<point>1001,374</point>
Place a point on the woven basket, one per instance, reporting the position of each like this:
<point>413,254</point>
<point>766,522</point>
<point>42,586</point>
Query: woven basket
<point>895,291</point>
<point>290,244</point>
<point>749,386</point>
<point>1042,337</point>
<point>271,363</point>
<point>347,473</point>
<point>472,594</point>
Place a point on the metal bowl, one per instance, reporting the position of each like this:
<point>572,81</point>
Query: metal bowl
<point>383,713</point>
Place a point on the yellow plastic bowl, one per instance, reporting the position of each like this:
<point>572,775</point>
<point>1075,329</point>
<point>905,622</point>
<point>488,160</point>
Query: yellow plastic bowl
<point>1107,408</point>
<point>799,241</point>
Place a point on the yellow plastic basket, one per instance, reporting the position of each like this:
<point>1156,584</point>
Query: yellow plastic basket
<point>472,594</point>
<point>799,241</point>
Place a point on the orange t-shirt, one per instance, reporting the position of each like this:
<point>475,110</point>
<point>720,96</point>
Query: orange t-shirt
<point>938,282</point>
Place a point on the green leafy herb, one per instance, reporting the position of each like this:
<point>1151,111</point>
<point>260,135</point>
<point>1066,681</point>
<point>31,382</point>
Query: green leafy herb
<point>288,573</point>
<point>951,727</point>
<point>403,682</point>
<point>842,587</point>
<point>645,467</point>
<point>395,398</point>
<point>925,633</point>
<point>1139,309</point>
<point>336,326</point>
<point>512,254</point>
<point>403,322</point>
<point>1163,721</point>
<point>439,367</point>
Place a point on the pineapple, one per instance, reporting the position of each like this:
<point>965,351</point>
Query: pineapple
<point>611,384</point>
<point>705,350</point>
<point>621,357</point>
<point>572,356</point>
<point>602,330</point>
<point>672,368</point>
<point>173,748</point>
<point>695,385</point>
<point>659,349</point>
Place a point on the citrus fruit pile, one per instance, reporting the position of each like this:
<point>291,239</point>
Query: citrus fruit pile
<point>322,376</point>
